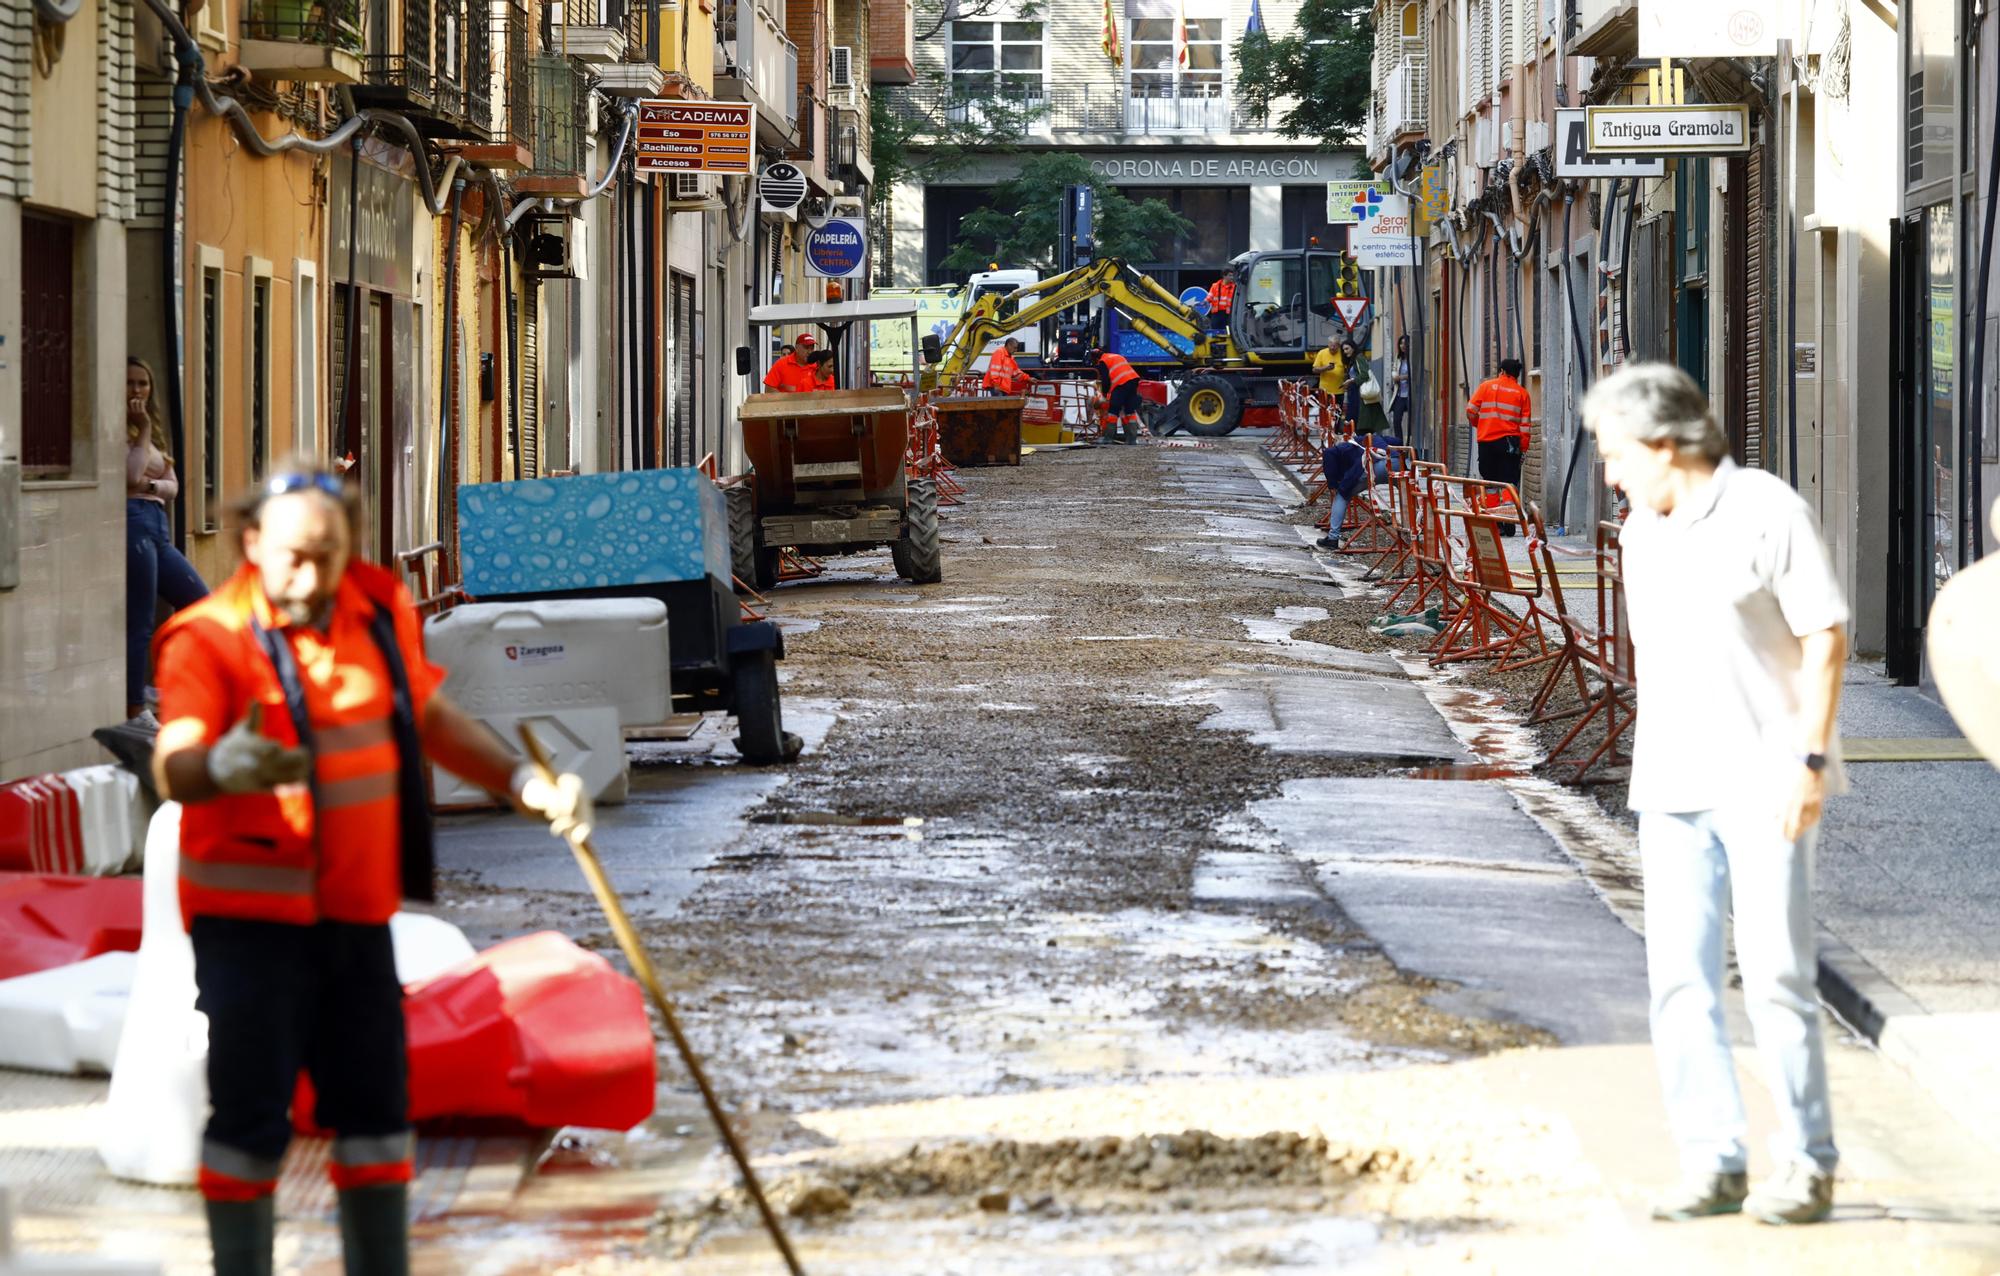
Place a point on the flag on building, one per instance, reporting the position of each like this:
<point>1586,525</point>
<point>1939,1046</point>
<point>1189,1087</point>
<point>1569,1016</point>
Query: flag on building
<point>1180,35</point>
<point>1255,26</point>
<point>1112,48</point>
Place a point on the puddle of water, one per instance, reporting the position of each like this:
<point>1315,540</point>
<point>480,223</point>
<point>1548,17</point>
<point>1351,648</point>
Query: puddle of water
<point>838,820</point>
<point>1478,772</point>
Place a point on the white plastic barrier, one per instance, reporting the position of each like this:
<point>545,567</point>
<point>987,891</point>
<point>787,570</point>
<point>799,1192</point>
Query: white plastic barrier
<point>576,670</point>
<point>152,1122</point>
<point>15,1263</point>
<point>110,816</point>
<point>66,1019</point>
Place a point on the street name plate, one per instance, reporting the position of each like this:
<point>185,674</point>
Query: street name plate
<point>1707,129</point>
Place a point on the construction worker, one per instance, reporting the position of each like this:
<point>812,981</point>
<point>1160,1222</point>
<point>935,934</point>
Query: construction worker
<point>1120,382</point>
<point>1331,365</point>
<point>1003,372</point>
<point>296,710</point>
<point>820,363</point>
<point>1221,300</point>
<point>1499,414</point>
<point>793,373</point>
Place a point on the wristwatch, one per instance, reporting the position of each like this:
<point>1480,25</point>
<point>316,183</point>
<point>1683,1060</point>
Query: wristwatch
<point>1815,762</point>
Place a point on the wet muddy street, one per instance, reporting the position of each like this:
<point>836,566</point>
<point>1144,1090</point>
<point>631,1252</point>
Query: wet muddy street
<point>1134,910</point>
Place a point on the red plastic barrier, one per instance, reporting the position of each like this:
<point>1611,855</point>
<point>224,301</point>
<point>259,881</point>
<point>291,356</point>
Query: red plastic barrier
<point>49,921</point>
<point>535,1029</point>
<point>40,826</point>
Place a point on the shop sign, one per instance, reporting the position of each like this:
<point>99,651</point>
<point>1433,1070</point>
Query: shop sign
<point>1708,129</point>
<point>836,250</point>
<point>383,228</point>
<point>694,137</point>
<point>1382,238</point>
<point>1708,28</point>
<point>1347,202</point>
<point>1574,157</point>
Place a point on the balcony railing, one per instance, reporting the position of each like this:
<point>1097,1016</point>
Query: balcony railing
<point>756,62</point>
<point>328,23</point>
<point>1404,107</point>
<point>406,67</point>
<point>1077,108</point>
<point>558,110</point>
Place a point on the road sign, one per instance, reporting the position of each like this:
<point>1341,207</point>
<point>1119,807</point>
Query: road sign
<point>1574,157</point>
<point>1195,299</point>
<point>1709,129</point>
<point>836,250</point>
<point>1383,236</point>
<point>694,137</point>
<point>1351,309</point>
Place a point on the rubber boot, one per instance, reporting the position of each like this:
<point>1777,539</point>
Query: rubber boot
<point>375,1230</point>
<point>243,1234</point>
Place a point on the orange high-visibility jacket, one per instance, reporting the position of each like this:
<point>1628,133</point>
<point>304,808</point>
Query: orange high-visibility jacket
<point>1003,373</point>
<point>1118,368</point>
<point>1221,296</point>
<point>790,374</point>
<point>282,856</point>
<point>1499,409</point>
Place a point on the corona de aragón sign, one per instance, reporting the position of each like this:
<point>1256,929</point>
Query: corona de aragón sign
<point>837,250</point>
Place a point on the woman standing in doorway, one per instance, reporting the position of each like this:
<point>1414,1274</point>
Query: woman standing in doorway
<point>154,569</point>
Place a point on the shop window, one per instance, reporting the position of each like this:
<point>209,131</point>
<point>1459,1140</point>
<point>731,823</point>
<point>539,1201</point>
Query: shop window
<point>53,411</point>
<point>258,374</point>
<point>207,364</point>
<point>305,357</point>
<point>997,59</point>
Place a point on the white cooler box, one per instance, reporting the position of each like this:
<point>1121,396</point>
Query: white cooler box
<point>577,670</point>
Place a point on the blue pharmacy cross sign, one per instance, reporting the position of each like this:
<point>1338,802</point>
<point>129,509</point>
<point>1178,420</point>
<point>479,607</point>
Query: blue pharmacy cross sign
<point>836,250</point>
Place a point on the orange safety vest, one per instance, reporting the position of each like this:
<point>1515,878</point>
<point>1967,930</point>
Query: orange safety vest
<point>1221,296</point>
<point>332,850</point>
<point>1118,367</point>
<point>1003,373</point>
<point>1500,409</point>
<point>790,375</point>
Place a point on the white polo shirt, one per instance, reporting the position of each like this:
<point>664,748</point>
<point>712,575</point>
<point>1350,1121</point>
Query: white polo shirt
<point>1718,594</point>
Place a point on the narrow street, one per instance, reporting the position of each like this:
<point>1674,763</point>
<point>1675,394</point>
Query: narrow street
<point>1131,911</point>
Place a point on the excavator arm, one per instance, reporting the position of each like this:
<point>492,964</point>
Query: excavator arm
<point>1153,311</point>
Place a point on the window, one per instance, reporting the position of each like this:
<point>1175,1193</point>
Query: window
<point>257,375</point>
<point>49,399</point>
<point>995,59</point>
<point>305,359</point>
<point>212,24</point>
<point>208,371</point>
<point>1157,71</point>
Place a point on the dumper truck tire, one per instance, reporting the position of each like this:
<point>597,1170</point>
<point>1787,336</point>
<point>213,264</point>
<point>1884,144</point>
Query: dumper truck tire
<point>919,557</point>
<point>743,534</point>
<point>760,725</point>
<point>1210,406</point>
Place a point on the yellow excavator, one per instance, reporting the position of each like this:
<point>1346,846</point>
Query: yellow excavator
<point>1283,314</point>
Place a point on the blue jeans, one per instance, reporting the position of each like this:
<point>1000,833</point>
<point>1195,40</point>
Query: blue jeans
<point>1697,865</point>
<point>154,569</point>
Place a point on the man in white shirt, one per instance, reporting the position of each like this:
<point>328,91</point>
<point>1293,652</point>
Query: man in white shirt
<point>1739,632</point>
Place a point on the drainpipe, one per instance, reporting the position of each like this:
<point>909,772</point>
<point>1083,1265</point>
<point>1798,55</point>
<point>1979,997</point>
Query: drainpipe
<point>170,257</point>
<point>447,373</point>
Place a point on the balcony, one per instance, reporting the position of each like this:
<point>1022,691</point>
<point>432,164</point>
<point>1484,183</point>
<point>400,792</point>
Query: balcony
<point>1606,28</point>
<point>559,123</point>
<point>397,75</point>
<point>299,40</point>
<point>853,158</point>
<point>1405,113</point>
<point>638,70</point>
<point>1107,109</point>
<point>499,86</point>
<point>756,63</point>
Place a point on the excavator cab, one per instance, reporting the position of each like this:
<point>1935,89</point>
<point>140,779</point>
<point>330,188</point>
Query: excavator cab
<point>1284,302</point>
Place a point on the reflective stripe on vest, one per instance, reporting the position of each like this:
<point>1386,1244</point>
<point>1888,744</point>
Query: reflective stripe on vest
<point>1119,368</point>
<point>253,879</point>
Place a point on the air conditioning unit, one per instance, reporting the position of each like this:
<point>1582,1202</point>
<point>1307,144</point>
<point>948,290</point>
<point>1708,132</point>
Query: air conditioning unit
<point>1485,152</point>
<point>687,188</point>
<point>840,66</point>
<point>553,246</point>
<point>781,188</point>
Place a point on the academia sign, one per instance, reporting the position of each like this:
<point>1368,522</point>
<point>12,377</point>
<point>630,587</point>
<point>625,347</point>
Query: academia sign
<point>693,137</point>
<point>1575,159</point>
<point>1708,129</point>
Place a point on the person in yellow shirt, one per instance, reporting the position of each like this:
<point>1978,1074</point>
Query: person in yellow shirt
<point>1331,365</point>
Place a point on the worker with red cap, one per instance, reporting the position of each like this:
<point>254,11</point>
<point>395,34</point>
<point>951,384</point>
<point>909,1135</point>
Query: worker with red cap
<point>297,710</point>
<point>793,373</point>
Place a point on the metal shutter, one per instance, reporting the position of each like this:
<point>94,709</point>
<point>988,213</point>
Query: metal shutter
<point>1757,285</point>
<point>683,366</point>
<point>529,463</point>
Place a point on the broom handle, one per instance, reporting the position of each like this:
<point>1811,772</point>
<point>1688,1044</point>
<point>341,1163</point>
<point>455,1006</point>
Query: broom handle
<point>642,965</point>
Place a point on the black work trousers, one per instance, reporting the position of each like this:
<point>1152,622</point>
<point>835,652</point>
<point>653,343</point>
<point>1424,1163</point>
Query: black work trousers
<point>1500,462</point>
<point>279,998</point>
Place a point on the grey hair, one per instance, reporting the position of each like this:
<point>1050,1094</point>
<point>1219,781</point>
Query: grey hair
<point>1656,403</point>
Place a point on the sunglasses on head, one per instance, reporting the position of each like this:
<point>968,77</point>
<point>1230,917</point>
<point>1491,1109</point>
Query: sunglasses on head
<point>280,484</point>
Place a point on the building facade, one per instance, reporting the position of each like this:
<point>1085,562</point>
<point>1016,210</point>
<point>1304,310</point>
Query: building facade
<point>1763,273</point>
<point>1150,124</point>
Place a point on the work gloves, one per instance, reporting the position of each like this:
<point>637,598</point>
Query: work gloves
<point>244,760</point>
<point>563,801</point>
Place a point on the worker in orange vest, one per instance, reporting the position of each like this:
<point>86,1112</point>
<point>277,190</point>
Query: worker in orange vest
<point>1120,382</point>
<point>820,363</point>
<point>1003,371</point>
<point>1221,299</point>
<point>296,711</point>
<point>793,373</point>
<point>1500,413</point>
